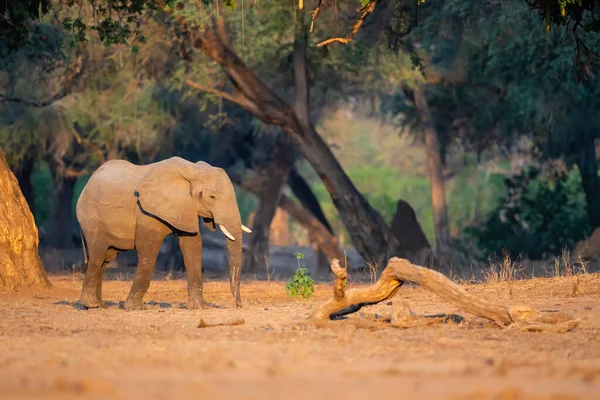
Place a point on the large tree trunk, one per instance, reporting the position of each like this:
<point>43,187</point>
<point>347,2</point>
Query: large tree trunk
<point>370,235</point>
<point>20,263</point>
<point>434,165</point>
<point>23,175</point>
<point>61,234</point>
<point>303,192</point>
<point>317,231</point>
<point>273,176</point>
<point>407,229</point>
<point>315,228</point>
<point>588,168</point>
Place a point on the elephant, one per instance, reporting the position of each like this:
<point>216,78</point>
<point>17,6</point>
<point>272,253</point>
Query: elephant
<point>125,206</point>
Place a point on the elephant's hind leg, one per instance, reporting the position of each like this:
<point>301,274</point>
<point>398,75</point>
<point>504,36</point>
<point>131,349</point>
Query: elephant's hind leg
<point>111,254</point>
<point>92,283</point>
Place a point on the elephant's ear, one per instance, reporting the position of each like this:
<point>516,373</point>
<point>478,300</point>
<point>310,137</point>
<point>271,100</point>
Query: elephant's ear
<point>165,194</point>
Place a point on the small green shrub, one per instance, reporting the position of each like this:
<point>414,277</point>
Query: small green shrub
<point>301,285</point>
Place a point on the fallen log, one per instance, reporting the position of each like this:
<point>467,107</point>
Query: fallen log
<point>399,270</point>
<point>232,322</point>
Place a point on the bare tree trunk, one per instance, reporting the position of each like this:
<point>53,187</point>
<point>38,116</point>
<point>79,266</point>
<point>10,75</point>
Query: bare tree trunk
<point>20,263</point>
<point>61,229</point>
<point>588,168</point>
<point>370,234</point>
<point>317,231</point>
<point>407,229</point>
<point>327,242</point>
<point>272,177</point>
<point>303,192</point>
<point>434,165</point>
<point>267,205</point>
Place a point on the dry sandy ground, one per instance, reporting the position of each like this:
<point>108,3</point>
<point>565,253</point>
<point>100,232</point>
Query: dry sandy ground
<point>50,349</point>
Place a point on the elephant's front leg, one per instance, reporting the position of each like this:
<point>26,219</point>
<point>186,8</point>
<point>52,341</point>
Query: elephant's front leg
<point>147,249</point>
<point>191,247</point>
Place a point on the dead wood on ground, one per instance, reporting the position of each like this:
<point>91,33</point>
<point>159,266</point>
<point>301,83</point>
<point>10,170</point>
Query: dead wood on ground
<point>236,321</point>
<point>399,270</point>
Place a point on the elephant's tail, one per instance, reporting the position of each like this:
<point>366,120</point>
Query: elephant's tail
<point>83,246</point>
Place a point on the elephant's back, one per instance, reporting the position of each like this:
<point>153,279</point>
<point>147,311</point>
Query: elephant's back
<point>108,197</point>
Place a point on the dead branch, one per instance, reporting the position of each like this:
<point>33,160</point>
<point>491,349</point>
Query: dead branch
<point>235,321</point>
<point>314,13</point>
<point>400,270</point>
<point>365,12</point>
<point>403,317</point>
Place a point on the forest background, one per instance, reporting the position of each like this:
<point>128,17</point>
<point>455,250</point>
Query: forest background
<point>483,118</point>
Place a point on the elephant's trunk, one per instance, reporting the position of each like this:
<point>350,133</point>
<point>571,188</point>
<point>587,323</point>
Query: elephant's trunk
<point>234,247</point>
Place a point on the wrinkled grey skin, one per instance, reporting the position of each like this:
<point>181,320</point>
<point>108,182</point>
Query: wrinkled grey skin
<point>125,206</point>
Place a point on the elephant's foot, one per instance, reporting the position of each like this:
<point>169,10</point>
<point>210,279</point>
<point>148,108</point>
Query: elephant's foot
<point>90,301</point>
<point>196,303</point>
<point>132,304</point>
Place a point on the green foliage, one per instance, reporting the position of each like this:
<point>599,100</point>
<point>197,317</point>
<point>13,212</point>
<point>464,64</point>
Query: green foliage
<point>547,214</point>
<point>42,183</point>
<point>565,12</point>
<point>301,285</point>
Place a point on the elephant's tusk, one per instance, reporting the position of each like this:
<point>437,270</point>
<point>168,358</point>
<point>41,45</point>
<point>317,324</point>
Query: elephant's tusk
<point>226,232</point>
<point>246,229</point>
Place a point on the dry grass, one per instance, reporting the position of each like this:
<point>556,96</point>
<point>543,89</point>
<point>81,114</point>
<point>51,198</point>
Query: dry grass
<point>373,271</point>
<point>505,270</point>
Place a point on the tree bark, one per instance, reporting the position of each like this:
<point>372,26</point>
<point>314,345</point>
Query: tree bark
<point>588,168</point>
<point>61,234</point>
<point>20,263</point>
<point>434,165</point>
<point>370,235</point>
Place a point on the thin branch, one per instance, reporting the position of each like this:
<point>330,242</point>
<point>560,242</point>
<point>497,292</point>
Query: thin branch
<point>314,13</point>
<point>71,172</point>
<point>236,98</point>
<point>365,12</point>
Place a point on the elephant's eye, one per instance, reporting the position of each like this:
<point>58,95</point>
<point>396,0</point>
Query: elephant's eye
<point>212,197</point>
